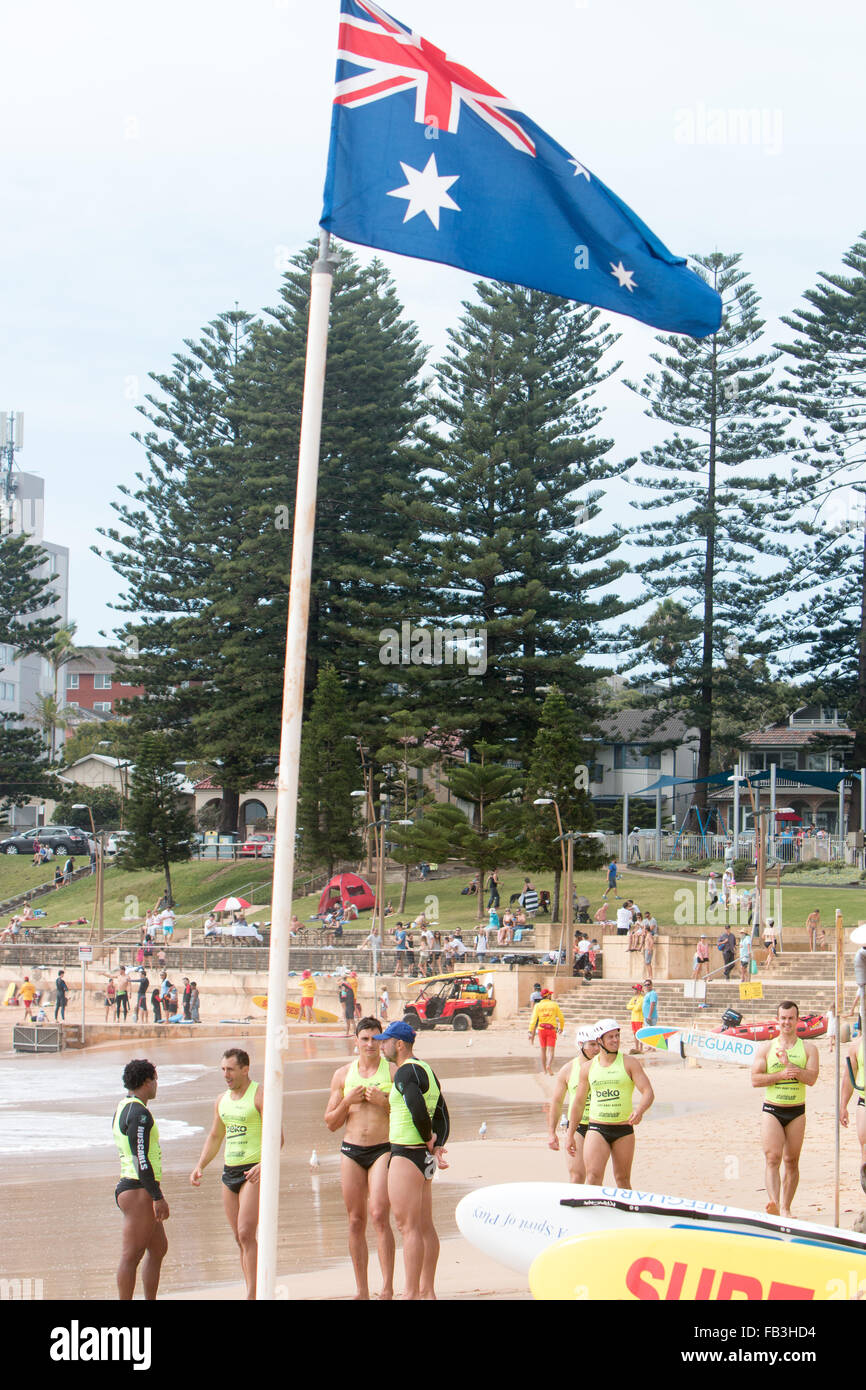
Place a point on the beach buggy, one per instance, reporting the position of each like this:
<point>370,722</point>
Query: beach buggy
<point>459,1001</point>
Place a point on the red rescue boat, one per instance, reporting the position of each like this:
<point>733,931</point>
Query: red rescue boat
<point>809,1026</point>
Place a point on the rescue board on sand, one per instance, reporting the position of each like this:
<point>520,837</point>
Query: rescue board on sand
<point>514,1222</point>
<point>686,1264</point>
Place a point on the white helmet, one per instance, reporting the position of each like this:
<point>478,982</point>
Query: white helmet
<point>586,1033</point>
<point>605,1025</point>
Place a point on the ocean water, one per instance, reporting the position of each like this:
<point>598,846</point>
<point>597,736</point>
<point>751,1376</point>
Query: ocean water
<point>59,1167</point>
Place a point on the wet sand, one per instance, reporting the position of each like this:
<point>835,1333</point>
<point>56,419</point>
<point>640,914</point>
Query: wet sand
<point>700,1140</point>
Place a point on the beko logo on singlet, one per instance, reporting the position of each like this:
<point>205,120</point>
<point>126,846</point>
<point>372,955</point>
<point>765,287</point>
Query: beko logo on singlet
<point>77,1343</point>
<point>606,1094</point>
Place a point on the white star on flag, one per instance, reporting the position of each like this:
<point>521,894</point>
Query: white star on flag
<point>579,169</point>
<point>425,191</point>
<point>625,277</point>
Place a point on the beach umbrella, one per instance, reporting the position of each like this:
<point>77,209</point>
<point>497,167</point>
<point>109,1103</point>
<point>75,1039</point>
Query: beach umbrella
<point>231,904</point>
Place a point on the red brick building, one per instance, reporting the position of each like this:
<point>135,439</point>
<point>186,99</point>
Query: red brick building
<point>90,682</point>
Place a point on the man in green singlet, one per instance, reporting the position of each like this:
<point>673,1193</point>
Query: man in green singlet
<point>359,1100</point>
<point>138,1194</point>
<point>418,1130</point>
<point>852,1081</point>
<point>238,1120</point>
<point>565,1086</point>
<point>785,1066</point>
<point>609,1082</point>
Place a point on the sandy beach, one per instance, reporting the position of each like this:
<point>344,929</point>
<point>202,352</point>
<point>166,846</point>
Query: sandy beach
<point>700,1140</point>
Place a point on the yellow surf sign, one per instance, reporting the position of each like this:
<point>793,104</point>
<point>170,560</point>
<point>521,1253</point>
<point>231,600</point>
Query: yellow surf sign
<point>686,1263</point>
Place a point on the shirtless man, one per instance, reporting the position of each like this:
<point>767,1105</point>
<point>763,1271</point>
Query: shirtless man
<point>564,1089</point>
<point>784,1067</point>
<point>609,1081</point>
<point>359,1100</point>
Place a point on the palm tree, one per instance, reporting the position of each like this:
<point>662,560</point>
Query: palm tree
<point>61,650</point>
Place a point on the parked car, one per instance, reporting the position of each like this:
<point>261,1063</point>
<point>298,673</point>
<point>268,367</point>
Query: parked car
<point>258,847</point>
<point>61,839</point>
<point>117,841</point>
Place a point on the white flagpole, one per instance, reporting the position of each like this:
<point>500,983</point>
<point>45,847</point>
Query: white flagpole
<point>290,747</point>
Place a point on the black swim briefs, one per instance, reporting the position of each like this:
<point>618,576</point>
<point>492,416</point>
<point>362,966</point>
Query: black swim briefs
<point>234,1178</point>
<point>610,1133</point>
<point>128,1185</point>
<point>784,1113</point>
<point>365,1155</point>
<point>581,1129</point>
<point>422,1158</point>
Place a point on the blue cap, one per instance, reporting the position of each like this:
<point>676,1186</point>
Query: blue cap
<point>399,1030</point>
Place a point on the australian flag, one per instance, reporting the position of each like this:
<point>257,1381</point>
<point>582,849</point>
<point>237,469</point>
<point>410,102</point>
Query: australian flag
<point>428,160</point>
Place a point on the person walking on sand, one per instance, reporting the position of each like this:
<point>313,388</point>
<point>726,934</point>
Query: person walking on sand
<point>308,995</point>
<point>359,1100</point>
<point>418,1132</point>
<point>61,994</point>
<point>784,1068</point>
<point>566,1084</point>
<point>238,1120</point>
<point>138,1194</point>
<point>609,1080</point>
<point>547,1018</point>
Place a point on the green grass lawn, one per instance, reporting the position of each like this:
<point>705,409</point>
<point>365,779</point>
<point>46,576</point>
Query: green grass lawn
<point>673,902</point>
<point>676,902</point>
<point>128,895</point>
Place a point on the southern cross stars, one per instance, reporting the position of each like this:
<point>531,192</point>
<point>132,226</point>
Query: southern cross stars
<point>425,191</point>
<point>625,277</point>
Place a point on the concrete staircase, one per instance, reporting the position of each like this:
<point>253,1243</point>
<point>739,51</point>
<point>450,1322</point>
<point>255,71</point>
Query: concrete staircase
<point>806,978</point>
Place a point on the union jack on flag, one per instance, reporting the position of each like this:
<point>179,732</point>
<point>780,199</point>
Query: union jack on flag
<point>398,60</point>
<point>429,160</point>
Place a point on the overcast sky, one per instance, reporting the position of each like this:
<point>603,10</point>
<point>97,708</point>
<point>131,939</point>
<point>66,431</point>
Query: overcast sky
<point>161,161</point>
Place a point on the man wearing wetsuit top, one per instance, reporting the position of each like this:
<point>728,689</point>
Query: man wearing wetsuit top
<point>138,1194</point>
<point>238,1120</point>
<point>359,1100</point>
<point>418,1130</point>
<point>609,1082</point>
<point>785,1066</point>
<point>565,1087</point>
<point>852,1080</point>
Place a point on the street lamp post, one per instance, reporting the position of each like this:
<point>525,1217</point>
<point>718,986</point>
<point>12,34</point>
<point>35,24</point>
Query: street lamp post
<point>99,909</point>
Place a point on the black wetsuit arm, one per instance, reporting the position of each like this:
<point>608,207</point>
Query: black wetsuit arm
<point>136,1125</point>
<point>412,1082</point>
<point>441,1121</point>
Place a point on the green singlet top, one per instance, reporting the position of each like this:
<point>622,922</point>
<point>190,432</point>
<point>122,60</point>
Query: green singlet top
<point>381,1077</point>
<point>858,1080</point>
<point>401,1129</point>
<point>243,1127</point>
<point>154,1152</point>
<point>786,1092</point>
<point>610,1092</point>
<point>573,1078</point>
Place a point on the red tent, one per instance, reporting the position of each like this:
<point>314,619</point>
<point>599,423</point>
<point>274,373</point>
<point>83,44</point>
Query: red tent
<point>346,889</point>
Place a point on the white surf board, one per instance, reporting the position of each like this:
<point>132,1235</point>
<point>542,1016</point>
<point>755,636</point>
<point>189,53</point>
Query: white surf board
<point>514,1222</point>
